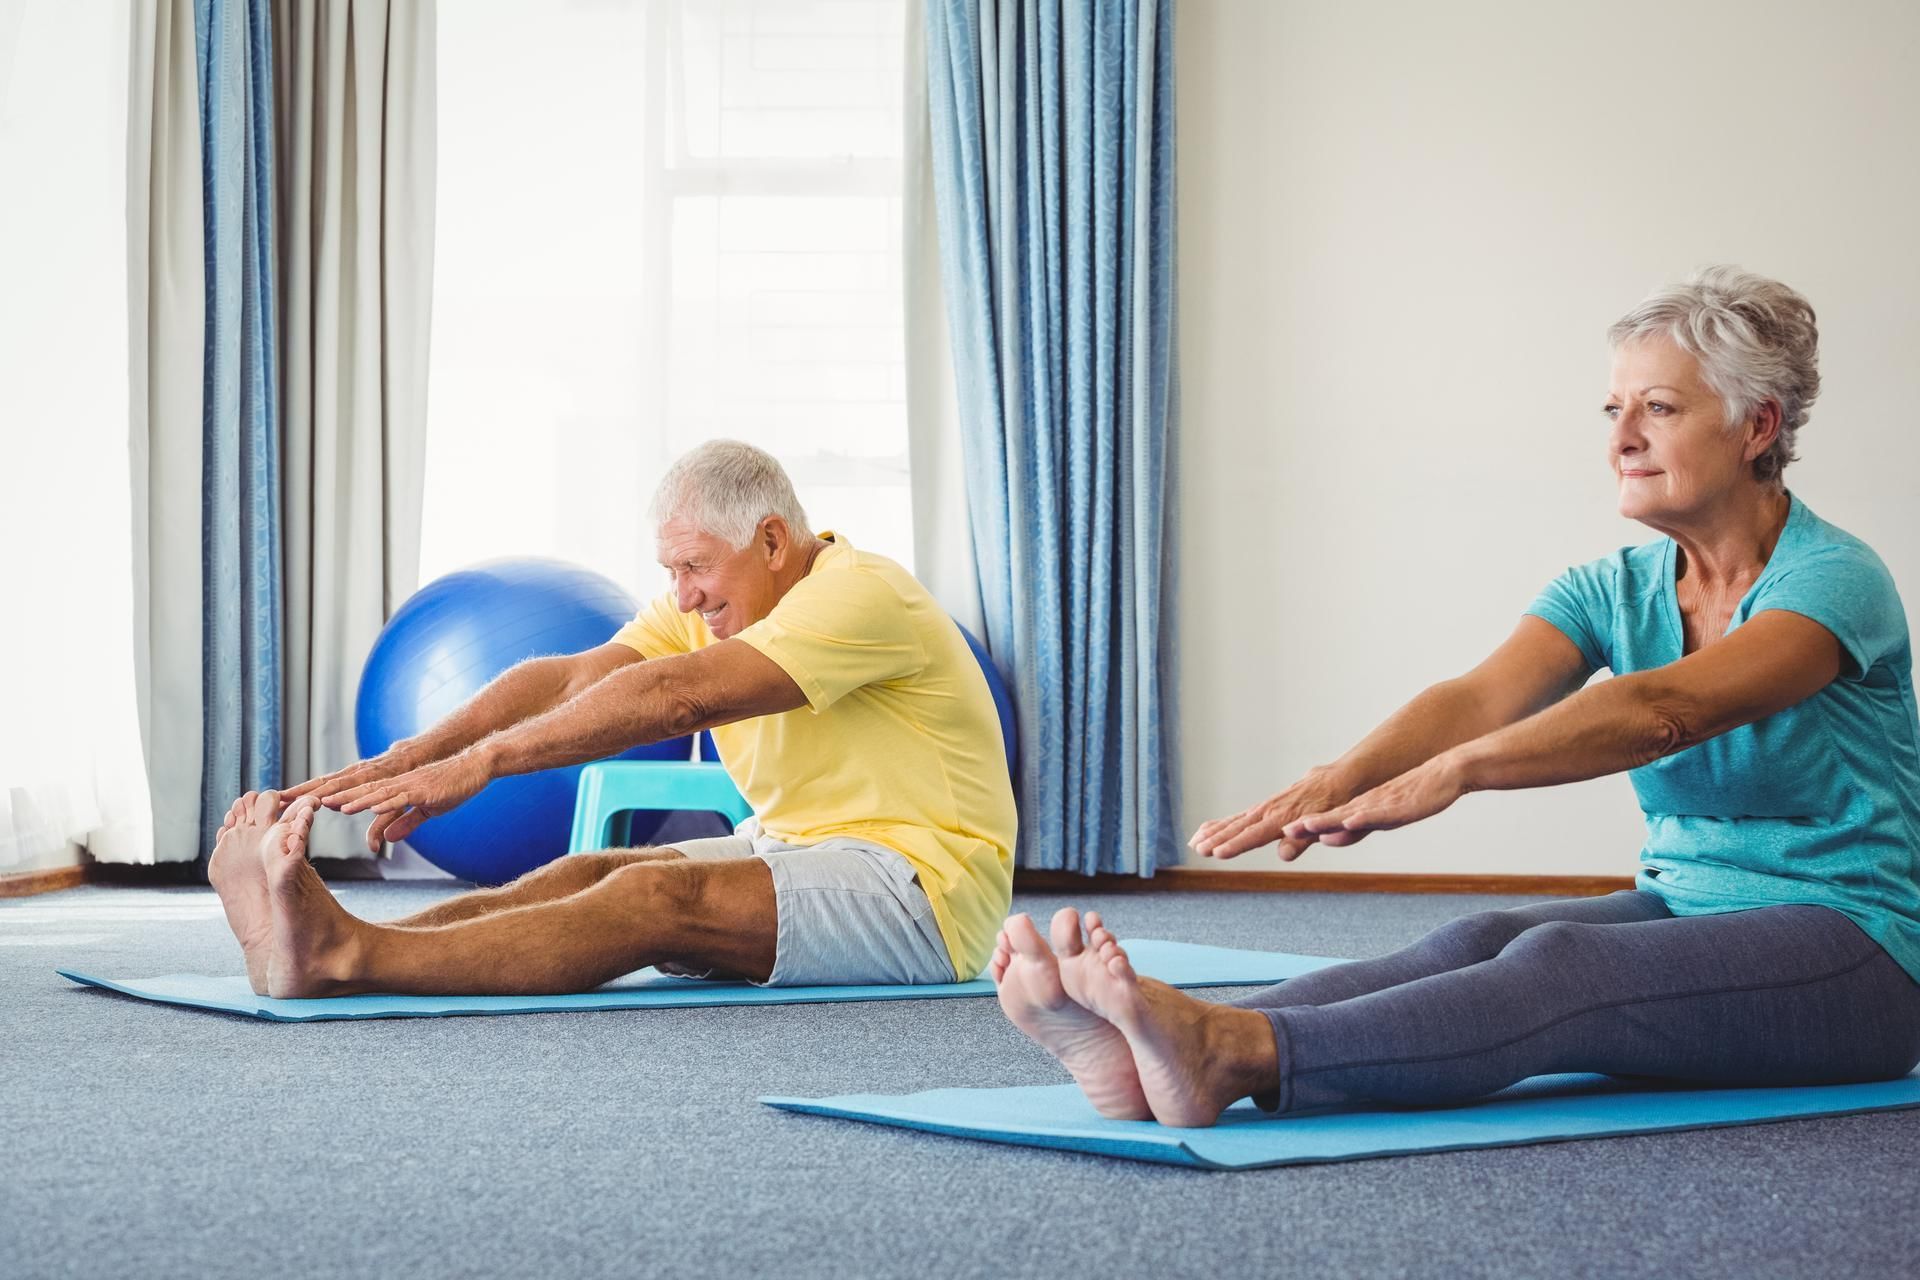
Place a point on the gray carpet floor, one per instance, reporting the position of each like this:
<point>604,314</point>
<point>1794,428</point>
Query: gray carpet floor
<point>140,1140</point>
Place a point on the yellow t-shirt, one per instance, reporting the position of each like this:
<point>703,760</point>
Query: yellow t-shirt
<point>899,743</point>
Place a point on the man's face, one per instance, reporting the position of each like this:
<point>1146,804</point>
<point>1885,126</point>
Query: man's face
<point>731,590</point>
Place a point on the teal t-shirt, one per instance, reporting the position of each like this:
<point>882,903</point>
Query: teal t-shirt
<point>1819,803</point>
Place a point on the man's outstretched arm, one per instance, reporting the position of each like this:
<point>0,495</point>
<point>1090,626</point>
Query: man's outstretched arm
<point>638,703</point>
<point>523,691</point>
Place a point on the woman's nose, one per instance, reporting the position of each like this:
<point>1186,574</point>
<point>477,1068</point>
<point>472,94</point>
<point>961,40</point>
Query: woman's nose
<point>1625,435</point>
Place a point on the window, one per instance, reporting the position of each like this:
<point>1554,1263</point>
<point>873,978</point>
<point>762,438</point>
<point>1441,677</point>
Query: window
<point>661,222</point>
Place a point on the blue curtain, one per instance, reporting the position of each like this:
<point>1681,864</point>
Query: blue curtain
<point>1052,138</point>
<point>240,509</point>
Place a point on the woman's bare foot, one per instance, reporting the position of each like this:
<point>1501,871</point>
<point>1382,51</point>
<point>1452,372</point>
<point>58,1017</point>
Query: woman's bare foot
<point>310,935</point>
<point>1027,973</point>
<point>1195,1059</point>
<point>240,878</point>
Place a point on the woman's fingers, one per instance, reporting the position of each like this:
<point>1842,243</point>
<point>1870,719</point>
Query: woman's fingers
<point>1226,831</point>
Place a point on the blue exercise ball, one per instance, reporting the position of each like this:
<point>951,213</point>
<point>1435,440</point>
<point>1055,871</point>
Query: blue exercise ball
<point>1002,700</point>
<point>443,646</point>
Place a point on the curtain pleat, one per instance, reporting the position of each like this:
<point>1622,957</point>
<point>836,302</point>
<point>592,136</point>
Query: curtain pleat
<point>356,137</point>
<point>240,458</point>
<point>1052,137</point>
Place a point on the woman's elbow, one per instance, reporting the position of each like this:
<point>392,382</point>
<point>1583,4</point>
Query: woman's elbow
<point>1669,723</point>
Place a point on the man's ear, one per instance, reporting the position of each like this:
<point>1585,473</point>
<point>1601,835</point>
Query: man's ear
<point>1763,428</point>
<point>775,541</point>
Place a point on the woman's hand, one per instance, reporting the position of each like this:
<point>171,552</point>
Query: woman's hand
<point>1418,793</point>
<point>1267,821</point>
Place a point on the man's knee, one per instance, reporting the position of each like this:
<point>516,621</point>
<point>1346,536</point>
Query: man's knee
<point>583,869</point>
<point>670,883</point>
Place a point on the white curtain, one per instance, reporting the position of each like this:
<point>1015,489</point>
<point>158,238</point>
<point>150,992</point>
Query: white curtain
<point>166,301</point>
<point>942,537</point>
<point>70,767</point>
<point>354,84</point>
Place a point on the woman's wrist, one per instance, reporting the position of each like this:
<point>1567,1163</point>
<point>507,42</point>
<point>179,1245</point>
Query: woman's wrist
<point>1463,766</point>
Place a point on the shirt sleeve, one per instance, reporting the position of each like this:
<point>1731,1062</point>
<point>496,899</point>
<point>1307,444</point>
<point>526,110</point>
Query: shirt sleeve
<point>838,631</point>
<point>1848,591</point>
<point>1580,603</point>
<point>657,631</point>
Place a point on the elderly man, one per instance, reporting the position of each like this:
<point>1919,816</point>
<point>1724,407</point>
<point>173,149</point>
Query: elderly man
<point>847,708</point>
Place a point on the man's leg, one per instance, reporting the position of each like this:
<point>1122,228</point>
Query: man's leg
<point>718,915</point>
<point>561,878</point>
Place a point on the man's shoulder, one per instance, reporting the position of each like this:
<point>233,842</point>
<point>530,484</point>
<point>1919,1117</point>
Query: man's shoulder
<point>872,579</point>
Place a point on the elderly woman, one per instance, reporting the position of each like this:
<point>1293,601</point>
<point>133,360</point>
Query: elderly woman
<point>1763,706</point>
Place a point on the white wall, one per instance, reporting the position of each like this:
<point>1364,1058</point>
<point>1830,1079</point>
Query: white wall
<point>1404,228</point>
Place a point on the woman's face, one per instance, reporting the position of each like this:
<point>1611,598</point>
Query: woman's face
<point>1671,452</point>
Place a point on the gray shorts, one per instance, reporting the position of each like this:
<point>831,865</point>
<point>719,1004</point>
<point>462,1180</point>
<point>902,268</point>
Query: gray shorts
<point>852,913</point>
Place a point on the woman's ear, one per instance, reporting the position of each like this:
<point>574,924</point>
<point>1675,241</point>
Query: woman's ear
<point>1763,428</point>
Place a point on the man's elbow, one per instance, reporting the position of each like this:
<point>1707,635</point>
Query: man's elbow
<point>681,711</point>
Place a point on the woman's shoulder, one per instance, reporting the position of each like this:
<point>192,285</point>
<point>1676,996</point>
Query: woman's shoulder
<point>1812,542</point>
<point>1625,571</point>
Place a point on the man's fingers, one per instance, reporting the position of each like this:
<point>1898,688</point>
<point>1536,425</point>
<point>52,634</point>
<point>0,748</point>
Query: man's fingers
<point>369,794</point>
<point>377,830</point>
<point>398,800</point>
<point>405,824</point>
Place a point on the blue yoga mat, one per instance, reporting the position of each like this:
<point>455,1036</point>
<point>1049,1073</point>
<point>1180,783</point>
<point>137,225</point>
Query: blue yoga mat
<point>1183,964</point>
<point>1557,1108</point>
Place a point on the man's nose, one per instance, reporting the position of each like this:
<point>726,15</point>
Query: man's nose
<point>685,597</point>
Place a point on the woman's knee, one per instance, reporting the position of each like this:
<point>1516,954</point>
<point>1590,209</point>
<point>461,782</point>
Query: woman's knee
<point>1561,944</point>
<point>1470,939</point>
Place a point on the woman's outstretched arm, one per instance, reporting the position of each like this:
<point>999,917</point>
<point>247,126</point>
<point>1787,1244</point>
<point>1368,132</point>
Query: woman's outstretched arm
<point>1535,667</point>
<point>1769,663</point>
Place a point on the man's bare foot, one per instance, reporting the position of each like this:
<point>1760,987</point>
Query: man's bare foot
<point>310,936</point>
<point>1194,1059</point>
<point>239,877</point>
<point>1027,974</point>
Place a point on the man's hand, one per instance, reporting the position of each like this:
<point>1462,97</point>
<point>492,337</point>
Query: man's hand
<point>397,759</point>
<point>1418,793</point>
<point>1267,821</point>
<point>401,804</point>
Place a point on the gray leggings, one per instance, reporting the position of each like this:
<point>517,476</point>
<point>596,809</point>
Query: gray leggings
<point>1789,995</point>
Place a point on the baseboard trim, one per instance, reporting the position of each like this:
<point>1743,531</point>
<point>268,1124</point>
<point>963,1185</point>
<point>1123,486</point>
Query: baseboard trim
<point>1191,878</point>
<point>25,883</point>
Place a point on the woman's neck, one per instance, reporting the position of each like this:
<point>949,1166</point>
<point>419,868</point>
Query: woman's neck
<point>1729,546</point>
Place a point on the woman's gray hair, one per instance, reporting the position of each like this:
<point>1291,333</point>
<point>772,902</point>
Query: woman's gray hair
<point>726,488</point>
<point>1755,340</point>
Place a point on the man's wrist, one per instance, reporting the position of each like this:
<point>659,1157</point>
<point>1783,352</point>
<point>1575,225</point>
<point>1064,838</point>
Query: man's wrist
<point>489,755</point>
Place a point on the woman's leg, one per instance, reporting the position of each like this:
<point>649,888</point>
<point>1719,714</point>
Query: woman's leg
<point>1468,940</point>
<point>1790,995</point>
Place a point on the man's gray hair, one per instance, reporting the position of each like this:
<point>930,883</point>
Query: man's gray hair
<point>726,488</point>
<point>1755,340</point>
